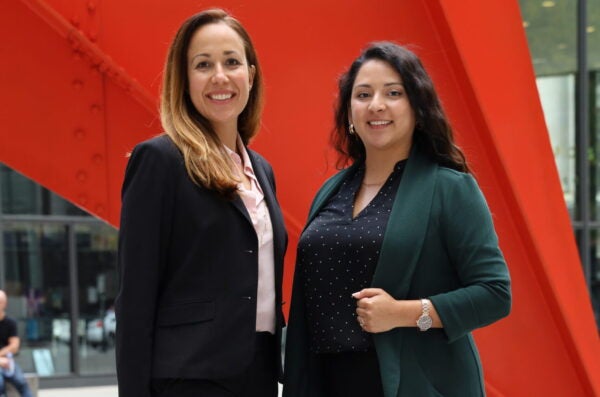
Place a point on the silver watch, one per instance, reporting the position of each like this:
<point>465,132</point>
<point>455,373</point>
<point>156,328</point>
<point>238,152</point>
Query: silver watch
<point>425,321</point>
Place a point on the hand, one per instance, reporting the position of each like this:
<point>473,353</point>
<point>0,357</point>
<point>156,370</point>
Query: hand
<point>376,309</point>
<point>4,362</point>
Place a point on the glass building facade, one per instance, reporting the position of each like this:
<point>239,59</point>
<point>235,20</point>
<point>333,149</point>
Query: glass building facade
<point>564,42</point>
<point>58,264</point>
<point>58,268</point>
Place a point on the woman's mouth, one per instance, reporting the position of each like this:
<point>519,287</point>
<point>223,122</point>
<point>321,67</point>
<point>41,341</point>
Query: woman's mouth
<point>221,96</point>
<point>379,123</point>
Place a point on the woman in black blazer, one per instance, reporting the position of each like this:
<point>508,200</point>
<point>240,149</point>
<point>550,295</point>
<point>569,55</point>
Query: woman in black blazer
<point>202,237</point>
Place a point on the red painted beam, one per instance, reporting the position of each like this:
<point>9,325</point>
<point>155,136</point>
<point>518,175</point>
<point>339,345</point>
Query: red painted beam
<point>61,96</point>
<point>84,49</point>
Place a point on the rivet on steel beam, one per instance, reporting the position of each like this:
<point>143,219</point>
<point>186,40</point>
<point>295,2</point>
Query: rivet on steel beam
<point>82,199</point>
<point>96,108</point>
<point>91,7</point>
<point>97,159</point>
<point>93,36</point>
<point>81,176</point>
<point>74,42</point>
<point>99,209</point>
<point>103,67</point>
<point>95,65</point>
<point>75,21</point>
<point>79,133</point>
<point>77,55</point>
<point>77,85</point>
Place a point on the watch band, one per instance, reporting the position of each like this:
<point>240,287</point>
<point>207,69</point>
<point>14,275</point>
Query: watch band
<point>425,321</point>
<point>426,305</point>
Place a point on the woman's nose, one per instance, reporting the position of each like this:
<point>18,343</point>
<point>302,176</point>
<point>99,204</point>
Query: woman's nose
<point>377,104</point>
<point>219,75</point>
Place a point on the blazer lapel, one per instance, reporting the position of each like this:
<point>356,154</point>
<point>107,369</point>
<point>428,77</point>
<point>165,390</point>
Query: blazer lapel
<point>329,188</point>
<point>239,204</point>
<point>274,210</point>
<point>237,201</point>
<point>407,226</point>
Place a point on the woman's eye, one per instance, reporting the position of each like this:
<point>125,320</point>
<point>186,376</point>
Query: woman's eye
<point>362,95</point>
<point>202,65</point>
<point>396,93</point>
<point>232,62</point>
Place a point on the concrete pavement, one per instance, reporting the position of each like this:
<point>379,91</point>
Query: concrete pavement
<point>98,391</point>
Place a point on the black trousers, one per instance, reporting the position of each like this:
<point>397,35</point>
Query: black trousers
<point>259,380</point>
<point>351,374</point>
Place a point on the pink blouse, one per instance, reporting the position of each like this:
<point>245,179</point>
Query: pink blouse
<point>254,201</point>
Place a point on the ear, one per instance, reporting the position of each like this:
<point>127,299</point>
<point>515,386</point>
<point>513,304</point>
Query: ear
<point>251,73</point>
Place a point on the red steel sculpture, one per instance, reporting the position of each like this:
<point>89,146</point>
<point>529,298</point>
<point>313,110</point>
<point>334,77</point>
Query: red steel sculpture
<point>79,87</point>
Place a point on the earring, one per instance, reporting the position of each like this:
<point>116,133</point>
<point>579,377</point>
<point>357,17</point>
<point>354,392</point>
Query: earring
<point>351,129</point>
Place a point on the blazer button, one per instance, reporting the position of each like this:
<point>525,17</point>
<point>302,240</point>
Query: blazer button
<point>249,251</point>
<point>249,298</point>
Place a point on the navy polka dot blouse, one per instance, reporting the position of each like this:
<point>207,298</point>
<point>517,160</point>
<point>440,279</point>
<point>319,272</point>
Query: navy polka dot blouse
<point>337,256</point>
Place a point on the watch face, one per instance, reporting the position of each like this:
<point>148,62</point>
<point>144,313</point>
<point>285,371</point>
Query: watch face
<point>424,322</point>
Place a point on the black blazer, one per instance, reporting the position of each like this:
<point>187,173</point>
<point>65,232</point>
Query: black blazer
<point>188,266</point>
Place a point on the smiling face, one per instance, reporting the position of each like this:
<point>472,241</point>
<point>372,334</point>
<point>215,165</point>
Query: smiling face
<point>219,77</point>
<point>381,111</point>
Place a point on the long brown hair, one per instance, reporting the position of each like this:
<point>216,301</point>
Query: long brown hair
<point>433,133</point>
<point>205,158</point>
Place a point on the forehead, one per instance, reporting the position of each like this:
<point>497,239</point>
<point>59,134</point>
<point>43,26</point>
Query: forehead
<point>215,38</point>
<point>376,71</point>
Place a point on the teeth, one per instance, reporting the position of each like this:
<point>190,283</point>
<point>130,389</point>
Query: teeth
<point>221,97</point>
<point>379,122</point>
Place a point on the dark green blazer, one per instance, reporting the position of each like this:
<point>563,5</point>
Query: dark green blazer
<point>439,244</point>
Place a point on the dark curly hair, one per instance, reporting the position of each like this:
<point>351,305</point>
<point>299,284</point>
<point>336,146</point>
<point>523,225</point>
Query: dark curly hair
<point>433,133</point>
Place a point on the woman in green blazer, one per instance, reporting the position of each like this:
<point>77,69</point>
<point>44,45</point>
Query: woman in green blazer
<point>399,260</point>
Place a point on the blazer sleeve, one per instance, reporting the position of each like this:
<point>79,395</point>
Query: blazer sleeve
<point>472,245</point>
<point>143,234</point>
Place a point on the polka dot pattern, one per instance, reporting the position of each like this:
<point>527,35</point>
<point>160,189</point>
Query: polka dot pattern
<point>337,256</point>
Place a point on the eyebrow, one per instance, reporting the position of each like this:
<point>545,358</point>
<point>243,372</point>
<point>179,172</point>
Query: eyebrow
<point>385,85</point>
<point>206,55</point>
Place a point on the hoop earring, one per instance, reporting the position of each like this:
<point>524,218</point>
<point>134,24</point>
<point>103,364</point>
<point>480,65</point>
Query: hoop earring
<point>351,129</point>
